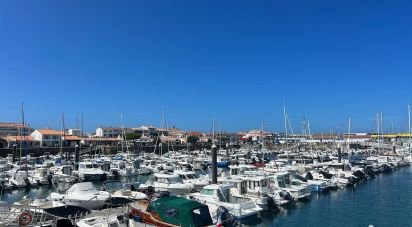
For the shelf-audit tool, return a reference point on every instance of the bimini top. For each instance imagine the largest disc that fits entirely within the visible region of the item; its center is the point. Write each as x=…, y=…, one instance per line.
x=181, y=211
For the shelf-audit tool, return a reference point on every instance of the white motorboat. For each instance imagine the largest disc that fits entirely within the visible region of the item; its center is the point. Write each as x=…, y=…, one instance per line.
x=63, y=174
x=190, y=177
x=83, y=195
x=129, y=190
x=171, y=183
x=216, y=195
x=91, y=172
x=255, y=188
x=21, y=179
x=281, y=180
x=42, y=176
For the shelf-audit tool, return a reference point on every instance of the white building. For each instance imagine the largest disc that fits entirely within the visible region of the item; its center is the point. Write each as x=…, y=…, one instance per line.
x=47, y=137
x=111, y=132
x=14, y=129
x=146, y=130
x=73, y=132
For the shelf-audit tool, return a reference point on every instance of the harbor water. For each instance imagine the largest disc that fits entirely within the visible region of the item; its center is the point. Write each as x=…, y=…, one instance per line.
x=381, y=201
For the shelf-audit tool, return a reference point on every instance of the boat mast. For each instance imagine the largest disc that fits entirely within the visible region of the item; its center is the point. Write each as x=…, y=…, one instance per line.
x=121, y=126
x=377, y=131
x=409, y=127
x=61, y=135
x=348, y=140
x=21, y=134
x=286, y=128
x=381, y=119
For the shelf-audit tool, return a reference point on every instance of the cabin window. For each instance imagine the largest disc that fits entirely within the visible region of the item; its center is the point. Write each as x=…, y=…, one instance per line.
x=287, y=180
x=264, y=183
x=207, y=192
x=222, y=197
x=171, y=213
x=175, y=180
x=281, y=183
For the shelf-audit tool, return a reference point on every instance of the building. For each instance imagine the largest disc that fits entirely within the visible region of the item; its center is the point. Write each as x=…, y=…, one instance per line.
x=73, y=132
x=48, y=137
x=24, y=141
x=145, y=130
x=14, y=129
x=100, y=141
x=111, y=132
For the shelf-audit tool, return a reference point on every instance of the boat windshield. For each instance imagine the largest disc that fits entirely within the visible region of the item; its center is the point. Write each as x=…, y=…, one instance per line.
x=207, y=192
x=191, y=176
x=90, y=166
x=174, y=180
x=223, y=195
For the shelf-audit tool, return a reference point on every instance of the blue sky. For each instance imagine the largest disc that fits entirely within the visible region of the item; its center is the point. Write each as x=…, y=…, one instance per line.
x=236, y=61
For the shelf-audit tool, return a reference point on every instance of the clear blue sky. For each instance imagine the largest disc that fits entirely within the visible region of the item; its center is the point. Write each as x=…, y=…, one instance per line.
x=236, y=61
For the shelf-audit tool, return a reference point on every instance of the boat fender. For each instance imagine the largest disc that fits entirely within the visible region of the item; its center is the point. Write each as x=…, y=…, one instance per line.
x=25, y=218
x=27, y=181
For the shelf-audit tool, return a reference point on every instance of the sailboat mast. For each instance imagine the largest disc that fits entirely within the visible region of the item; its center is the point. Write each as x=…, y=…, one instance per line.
x=286, y=128
x=123, y=134
x=62, y=134
x=22, y=133
x=409, y=126
x=377, y=131
x=348, y=137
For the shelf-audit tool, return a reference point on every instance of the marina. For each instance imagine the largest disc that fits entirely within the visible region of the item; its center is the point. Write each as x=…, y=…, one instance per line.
x=205, y=113
x=258, y=187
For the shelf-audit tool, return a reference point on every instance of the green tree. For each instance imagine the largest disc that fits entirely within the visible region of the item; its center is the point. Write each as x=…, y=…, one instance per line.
x=132, y=136
x=192, y=139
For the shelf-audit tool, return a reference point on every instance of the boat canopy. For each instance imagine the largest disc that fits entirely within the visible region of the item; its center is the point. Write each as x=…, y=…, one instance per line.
x=181, y=211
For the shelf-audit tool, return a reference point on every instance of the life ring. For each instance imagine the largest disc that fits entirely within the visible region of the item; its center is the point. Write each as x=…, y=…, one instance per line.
x=25, y=218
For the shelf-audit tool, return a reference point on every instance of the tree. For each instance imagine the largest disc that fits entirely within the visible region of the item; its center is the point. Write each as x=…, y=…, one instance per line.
x=192, y=139
x=132, y=136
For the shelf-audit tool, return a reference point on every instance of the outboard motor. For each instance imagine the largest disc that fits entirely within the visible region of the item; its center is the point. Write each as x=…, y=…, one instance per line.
x=104, y=177
x=132, y=188
x=224, y=218
x=359, y=174
x=286, y=195
x=27, y=181
x=326, y=175
x=271, y=203
x=50, y=179
x=116, y=173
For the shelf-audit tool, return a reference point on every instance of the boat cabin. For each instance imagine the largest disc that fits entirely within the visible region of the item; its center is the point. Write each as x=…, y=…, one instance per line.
x=254, y=186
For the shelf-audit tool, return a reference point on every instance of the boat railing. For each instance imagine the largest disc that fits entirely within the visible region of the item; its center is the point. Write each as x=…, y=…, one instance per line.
x=18, y=213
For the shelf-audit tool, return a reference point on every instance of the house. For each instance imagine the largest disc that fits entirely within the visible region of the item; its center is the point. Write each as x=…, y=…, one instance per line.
x=73, y=132
x=71, y=141
x=14, y=129
x=24, y=141
x=111, y=132
x=47, y=137
x=145, y=130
